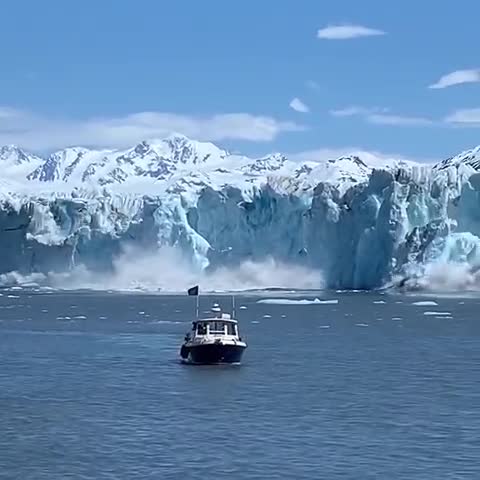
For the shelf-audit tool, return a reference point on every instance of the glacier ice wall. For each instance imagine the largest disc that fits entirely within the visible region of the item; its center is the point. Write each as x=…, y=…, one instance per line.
x=397, y=224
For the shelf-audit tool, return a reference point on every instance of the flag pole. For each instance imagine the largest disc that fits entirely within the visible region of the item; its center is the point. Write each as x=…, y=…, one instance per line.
x=197, y=309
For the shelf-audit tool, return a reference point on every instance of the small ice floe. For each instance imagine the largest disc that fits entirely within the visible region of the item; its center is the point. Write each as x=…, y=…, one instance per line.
x=13, y=296
x=254, y=321
x=461, y=303
x=437, y=314
x=44, y=310
x=64, y=318
x=243, y=307
x=176, y=311
x=361, y=324
x=287, y=301
x=399, y=302
x=141, y=313
x=15, y=288
x=102, y=318
x=397, y=318
x=80, y=317
x=267, y=316
x=425, y=303
x=379, y=302
x=324, y=326
x=283, y=316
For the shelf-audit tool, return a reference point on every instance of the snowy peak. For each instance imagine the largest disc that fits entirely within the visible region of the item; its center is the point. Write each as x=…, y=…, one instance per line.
x=268, y=164
x=59, y=166
x=13, y=155
x=179, y=164
x=468, y=157
x=156, y=159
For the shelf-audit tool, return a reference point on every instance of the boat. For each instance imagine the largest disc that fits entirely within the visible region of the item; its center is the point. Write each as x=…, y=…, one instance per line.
x=213, y=340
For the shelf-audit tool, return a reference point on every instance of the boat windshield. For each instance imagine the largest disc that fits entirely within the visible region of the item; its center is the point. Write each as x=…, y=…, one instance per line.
x=217, y=328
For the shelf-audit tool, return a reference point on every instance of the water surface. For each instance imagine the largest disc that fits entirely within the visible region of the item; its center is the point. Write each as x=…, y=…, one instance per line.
x=373, y=387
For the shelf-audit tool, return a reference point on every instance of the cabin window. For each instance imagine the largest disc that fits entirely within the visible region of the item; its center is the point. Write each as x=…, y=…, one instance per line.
x=201, y=329
x=217, y=328
x=231, y=329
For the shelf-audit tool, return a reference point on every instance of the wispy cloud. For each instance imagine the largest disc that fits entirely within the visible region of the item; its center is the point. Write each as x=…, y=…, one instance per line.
x=373, y=158
x=380, y=116
x=457, y=78
x=39, y=132
x=347, y=32
x=354, y=110
x=399, y=120
x=297, y=105
x=466, y=117
x=312, y=84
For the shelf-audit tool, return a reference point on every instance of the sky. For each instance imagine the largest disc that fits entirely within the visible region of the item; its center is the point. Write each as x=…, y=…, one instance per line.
x=311, y=78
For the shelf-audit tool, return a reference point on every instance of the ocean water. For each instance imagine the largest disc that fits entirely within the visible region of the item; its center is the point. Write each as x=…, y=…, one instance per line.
x=372, y=387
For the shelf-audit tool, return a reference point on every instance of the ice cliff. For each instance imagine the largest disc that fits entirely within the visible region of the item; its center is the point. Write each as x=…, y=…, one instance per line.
x=362, y=224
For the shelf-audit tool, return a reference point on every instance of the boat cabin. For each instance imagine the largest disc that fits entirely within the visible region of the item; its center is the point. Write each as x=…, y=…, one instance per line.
x=219, y=326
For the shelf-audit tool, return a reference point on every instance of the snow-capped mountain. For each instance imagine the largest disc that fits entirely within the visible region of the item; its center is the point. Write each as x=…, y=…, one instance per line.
x=358, y=219
x=176, y=163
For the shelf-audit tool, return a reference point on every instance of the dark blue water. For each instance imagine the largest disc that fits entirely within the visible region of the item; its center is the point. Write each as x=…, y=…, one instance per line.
x=90, y=388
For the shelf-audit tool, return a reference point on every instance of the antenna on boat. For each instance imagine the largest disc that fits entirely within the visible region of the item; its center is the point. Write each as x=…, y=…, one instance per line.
x=233, y=306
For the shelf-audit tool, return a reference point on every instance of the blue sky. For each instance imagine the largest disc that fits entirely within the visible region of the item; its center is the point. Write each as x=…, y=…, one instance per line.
x=109, y=72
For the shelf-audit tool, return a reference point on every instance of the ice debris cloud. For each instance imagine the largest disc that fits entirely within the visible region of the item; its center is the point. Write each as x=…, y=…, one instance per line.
x=164, y=213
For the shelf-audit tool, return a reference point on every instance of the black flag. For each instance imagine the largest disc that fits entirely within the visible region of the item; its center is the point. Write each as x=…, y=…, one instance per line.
x=193, y=290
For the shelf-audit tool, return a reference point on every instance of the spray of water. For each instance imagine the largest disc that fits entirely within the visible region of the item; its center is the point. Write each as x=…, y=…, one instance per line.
x=169, y=271
x=445, y=277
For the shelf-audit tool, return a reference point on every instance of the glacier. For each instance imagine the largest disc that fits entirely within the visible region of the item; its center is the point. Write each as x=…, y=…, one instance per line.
x=362, y=223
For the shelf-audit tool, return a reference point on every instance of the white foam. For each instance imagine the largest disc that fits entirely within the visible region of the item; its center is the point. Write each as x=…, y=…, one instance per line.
x=361, y=324
x=437, y=314
x=13, y=296
x=287, y=301
x=324, y=326
x=426, y=303
x=379, y=302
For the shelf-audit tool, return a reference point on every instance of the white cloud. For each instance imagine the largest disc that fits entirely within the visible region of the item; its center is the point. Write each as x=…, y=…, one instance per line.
x=353, y=111
x=346, y=32
x=465, y=117
x=38, y=132
x=457, y=78
x=398, y=120
x=379, y=116
x=371, y=157
x=312, y=84
x=297, y=105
